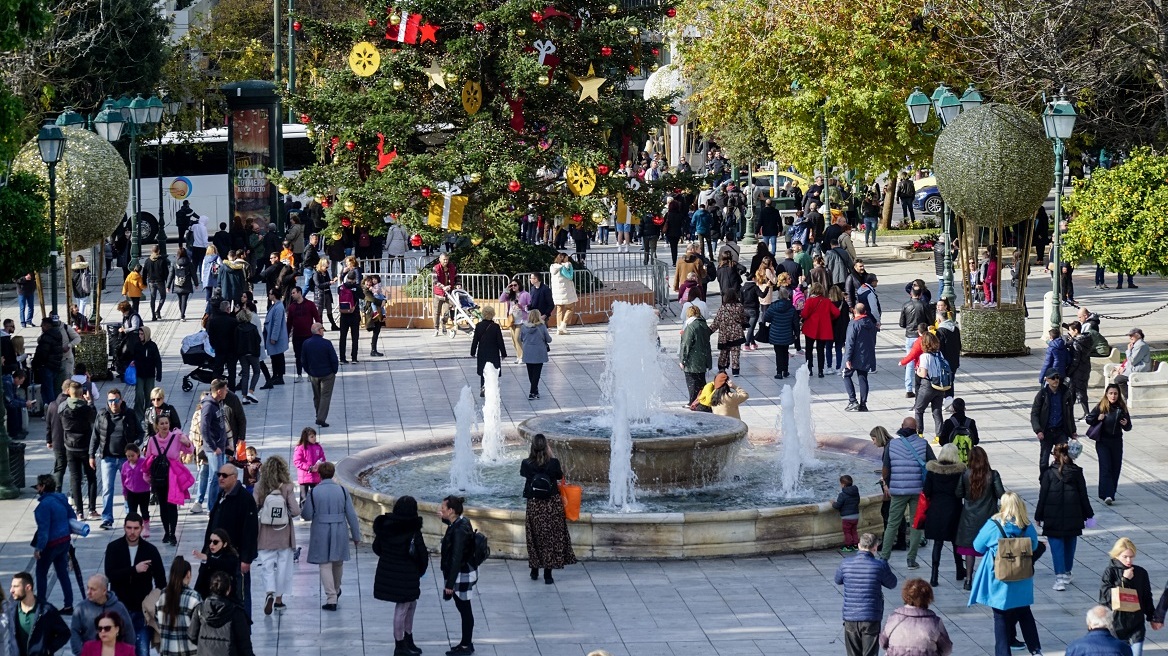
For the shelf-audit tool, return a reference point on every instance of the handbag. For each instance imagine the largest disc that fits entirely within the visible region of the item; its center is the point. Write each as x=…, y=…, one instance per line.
x=922, y=510
x=763, y=332
x=1095, y=431
x=1125, y=600
x=571, y=494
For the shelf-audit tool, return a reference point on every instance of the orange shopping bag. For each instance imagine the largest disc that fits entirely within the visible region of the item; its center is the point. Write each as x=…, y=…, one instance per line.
x=571, y=495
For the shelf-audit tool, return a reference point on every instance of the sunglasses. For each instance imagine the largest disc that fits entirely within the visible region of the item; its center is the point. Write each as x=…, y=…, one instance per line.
x=157, y=400
x=216, y=542
x=102, y=628
x=113, y=401
x=224, y=475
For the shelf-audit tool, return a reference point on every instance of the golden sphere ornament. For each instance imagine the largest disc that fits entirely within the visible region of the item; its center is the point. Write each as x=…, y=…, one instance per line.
x=283, y=189
x=475, y=177
x=395, y=19
x=654, y=66
x=612, y=9
x=594, y=119
x=398, y=85
x=310, y=132
x=521, y=32
x=543, y=80
x=633, y=31
x=666, y=107
x=350, y=206
x=597, y=216
x=451, y=77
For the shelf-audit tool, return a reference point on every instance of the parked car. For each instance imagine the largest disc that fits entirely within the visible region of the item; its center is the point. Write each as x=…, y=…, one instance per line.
x=928, y=197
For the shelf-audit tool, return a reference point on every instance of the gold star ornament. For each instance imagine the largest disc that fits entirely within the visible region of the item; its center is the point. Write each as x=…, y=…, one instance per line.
x=435, y=76
x=589, y=85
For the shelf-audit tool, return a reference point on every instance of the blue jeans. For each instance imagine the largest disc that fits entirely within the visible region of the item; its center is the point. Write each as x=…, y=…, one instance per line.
x=26, y=305
x=49, y=387
x=1137, y=648
x=772, y=242
x=110, y=468
x=56, y=557
x=908, y=368
x=214, y=462
x=141, y=633
x=1062, y=554
x=869, y=231
x=851, y=388
x=1099, y=272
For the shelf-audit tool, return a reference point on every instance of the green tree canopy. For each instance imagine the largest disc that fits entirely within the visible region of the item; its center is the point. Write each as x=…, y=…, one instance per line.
x=24, y=241
x=1118, y=216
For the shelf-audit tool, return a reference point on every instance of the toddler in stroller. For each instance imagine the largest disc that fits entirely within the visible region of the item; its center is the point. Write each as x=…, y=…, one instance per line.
x=197, y=352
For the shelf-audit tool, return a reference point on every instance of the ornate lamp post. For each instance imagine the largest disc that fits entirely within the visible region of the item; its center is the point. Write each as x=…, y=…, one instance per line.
x=167, y=108
x=140, y=114
x=51, y=142
x=1059, y=122
x=948, y=107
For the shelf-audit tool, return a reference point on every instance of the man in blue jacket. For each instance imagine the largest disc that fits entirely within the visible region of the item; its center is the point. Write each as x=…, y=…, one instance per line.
x=52, y=538
x=541, y=297
x=321, y=364
x=213, y=429
x=1099, y=641
x=904, y=475
x=862, y=576
x=35, y=628
x=859, y=356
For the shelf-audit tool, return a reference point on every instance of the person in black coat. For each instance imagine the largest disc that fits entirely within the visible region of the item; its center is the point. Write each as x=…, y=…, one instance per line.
x=1108, y=421
x=220, y=556
x=1063, y=508
x=402, y=560
x=541, y=296
x=1052, y=417
x=1122, y=572
x=487, y=344
x=132, y=579
x=676, y=223
x=941, y=478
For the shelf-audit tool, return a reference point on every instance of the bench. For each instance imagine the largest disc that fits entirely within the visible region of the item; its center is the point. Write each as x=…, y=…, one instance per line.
x=1147, y=389
x=1101, y=368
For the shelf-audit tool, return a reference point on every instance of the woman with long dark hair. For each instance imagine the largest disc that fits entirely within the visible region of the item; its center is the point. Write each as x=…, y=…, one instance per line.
x=942, y=476
x=221, y=556
x=182, y=280
x=548, y=544
x=1063, y=507
x=174, y=610
x=171, y=444
x=1108, y=421
x=402, y=561
x=979, y=490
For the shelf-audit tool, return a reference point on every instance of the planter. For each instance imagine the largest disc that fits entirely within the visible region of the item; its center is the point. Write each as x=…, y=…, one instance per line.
x=997, y=331
x=903, y=253
x=93, y=352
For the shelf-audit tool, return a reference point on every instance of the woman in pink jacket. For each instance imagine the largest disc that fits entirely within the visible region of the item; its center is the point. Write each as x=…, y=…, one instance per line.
x=306, y=458
x=171, y=444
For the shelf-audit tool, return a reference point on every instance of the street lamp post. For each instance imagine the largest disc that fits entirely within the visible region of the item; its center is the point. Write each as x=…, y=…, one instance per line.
x=947, y=106
x=51, y=142
x=170, y=108
x=139, y=114
x=1058, y=119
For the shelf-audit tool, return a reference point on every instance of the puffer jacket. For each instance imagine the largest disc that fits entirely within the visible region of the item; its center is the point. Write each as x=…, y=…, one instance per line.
x=1126, y=625
x=1058, y=357
x=783, y=320
x=402, y=558
x=862, y=576
x=1079, y=369
x=912, y=631
x=1063, y=504
x=847, y=502
x=220, y=627
x=52, y=516
x=905, y=475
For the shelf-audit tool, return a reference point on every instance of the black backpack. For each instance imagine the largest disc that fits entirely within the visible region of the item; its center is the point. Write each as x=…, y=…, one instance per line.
x=482, y=550
x=542, y=485
x=248, y=337
x=160, y=468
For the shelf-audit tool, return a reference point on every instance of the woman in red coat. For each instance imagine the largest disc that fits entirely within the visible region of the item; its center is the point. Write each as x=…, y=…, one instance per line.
x=818, y=313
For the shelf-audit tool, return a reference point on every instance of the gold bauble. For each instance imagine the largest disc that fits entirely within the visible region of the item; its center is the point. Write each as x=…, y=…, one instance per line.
x=318, y=198
x=395, y=19
x=475, y=177
x=451, y=77
x=633, y=31
x=350, y=206
x=283, y=189
x=521, y=32
x=594, y=119
x=398, y=85
x=597, y=216
x=612, y=9
x=653, y=67
x=666, y=107
x=543, y=80
x=310, y=132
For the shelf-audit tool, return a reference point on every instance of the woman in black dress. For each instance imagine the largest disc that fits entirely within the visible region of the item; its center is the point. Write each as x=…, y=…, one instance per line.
x=548, y=544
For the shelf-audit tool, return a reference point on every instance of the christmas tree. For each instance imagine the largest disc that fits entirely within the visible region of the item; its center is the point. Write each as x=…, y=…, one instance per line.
x=465, y=117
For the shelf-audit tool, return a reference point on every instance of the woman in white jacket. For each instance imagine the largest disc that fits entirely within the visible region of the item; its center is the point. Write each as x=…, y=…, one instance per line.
x=563, y=284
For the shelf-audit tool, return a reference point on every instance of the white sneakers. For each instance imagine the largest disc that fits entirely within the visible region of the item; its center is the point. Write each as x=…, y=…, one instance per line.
x=1061, y=581
x=197, y=508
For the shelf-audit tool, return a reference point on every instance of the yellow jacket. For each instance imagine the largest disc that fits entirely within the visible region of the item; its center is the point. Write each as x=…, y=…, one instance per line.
x=133, y=286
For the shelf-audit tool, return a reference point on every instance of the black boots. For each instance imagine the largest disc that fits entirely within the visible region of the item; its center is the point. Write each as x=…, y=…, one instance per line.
x=933, y=577
x=534, y=573
x=547, y=577
x=406, y=647
x=413, y=649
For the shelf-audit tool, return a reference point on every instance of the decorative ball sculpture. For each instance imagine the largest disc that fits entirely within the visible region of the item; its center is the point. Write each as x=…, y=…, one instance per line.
x=93, y=186
x=994, y=165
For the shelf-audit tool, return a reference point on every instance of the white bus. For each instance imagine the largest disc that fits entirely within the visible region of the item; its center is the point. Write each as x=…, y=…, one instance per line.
x=194, y=169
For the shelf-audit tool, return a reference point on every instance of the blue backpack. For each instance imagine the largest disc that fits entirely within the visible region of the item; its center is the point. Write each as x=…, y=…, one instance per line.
x=944, y=378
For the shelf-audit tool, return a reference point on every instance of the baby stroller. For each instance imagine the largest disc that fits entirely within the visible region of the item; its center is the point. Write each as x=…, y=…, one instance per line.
x=197, y=352
x=466, y=313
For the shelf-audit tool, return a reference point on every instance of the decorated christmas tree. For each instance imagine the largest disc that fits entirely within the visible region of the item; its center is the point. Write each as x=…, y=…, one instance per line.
x=468, y=117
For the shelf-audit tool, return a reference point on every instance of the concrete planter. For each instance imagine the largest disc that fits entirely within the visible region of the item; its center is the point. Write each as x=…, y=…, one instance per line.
x=909, y=254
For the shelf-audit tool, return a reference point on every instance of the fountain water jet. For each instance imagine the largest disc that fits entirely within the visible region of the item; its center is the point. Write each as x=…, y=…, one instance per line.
x=803, y=419
x=464, y=474
x=790, y=455
x=492, y=417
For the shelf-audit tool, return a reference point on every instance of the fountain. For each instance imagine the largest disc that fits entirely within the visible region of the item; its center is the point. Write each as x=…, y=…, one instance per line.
x=492, y=422
x=464, y=475
x=803, y=424
x=790, y=453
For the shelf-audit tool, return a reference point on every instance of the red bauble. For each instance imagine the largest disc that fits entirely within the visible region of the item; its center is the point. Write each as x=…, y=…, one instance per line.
x=537, y=16
x=326, y=203
x=671, y=12
x=514, y=186
x=346, y=222
x=304, y=118
x=296, y=26
x=372, y=22
x=606, y=51
x=350, y=145
x=480, y=27
x=633, y=69
x=673, y=119
x=602, y=169
x=655, y=52
x=425, y=192
x=578, y=218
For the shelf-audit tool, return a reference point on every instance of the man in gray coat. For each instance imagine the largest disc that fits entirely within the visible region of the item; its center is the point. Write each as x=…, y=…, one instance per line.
x=328, y=506
x=98, y=599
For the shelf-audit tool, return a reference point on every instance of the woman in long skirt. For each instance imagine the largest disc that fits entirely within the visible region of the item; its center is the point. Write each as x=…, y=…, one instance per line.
x=548, y=544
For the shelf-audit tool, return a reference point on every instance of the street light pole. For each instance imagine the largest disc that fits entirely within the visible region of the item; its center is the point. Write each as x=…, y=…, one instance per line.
x=1058, y=120
x=51, y=142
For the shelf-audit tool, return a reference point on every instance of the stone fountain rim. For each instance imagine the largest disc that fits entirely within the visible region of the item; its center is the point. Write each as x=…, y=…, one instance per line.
x=731, y=429
x=352, y=470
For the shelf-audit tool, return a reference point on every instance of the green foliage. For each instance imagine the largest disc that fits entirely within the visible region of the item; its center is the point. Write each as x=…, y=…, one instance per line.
x=24, y=241
x=437, y=141
x=1118, y=216
x=24, y=19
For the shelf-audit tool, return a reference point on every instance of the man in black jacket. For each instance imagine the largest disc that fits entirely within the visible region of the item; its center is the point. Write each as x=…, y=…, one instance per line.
x=134, y=568
x=55, y=436
x=156, y=270
x=77, y=416
x=279, y=276
x=48, y=358
x=117, y=426
x=235, y=512
x=1052, y=417
x=541, y=297
x=35, y=628
x=221, y=334
x=914, y=313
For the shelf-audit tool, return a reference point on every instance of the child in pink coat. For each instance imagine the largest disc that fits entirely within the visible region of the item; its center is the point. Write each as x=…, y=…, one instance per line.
x=136, y=486
x=306, y=458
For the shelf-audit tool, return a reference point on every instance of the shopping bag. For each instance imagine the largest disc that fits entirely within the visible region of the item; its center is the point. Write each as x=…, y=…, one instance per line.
x=922, y=510
x=571, y=494
x=1126, y=600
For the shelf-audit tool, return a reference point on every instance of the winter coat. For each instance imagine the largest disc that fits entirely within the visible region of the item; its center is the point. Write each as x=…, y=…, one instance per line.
x=1098, y=642
x=730, y=279
x=695, y=346
x=226, y=562
x=976, y=512
x=905, y=474
x=987, y=589
x=912, y=631
x=456, y=550
x=235, y=512
x=319, y=357
x=1079, y=369
x=276, y=330
x=563, y=284
x=1058, y=357
x=295, y=237
x=691, y=263
x=950, y=426
x=274, y=538
x=862, y=576
x=535, y=338
x=860, y=344
x=944, y=512
x=156, y=269
x=541, y=299
x=402, y=558
x=210, y=271
x=182, y=276
x=113, y=431
x=131, y=585
x=85, y=614
x=728, y=323
x=148, y=361
x=950, y=336
x=1127, y=625
x=232, y=279
x=49, y=351
x=180, y=478
x=727, y=406
x=329, y=508
x=49, y=631
x=1063, y=504
x=303, y=458
x=1040, y=410
x=839, y=324
x=396, y=241
x=871, y=300
x=52, y=515
x=488, y=345
x=838, y=263
x=914, y=313
x=77, y=419
x=82, y=280
x=220, y=627
x=133, y=285
x=847, y=502
x=1112, y=429
x=818, y=315
x=784, y=321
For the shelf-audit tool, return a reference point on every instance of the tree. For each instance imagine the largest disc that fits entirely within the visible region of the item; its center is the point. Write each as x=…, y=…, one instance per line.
x=455, y=97
x=1118, y=216
x=28, y=19
x=24, y=241
x=800, y=66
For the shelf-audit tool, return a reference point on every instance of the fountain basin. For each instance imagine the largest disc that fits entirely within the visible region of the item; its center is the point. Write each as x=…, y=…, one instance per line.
x=676, y=449
x=630, y=536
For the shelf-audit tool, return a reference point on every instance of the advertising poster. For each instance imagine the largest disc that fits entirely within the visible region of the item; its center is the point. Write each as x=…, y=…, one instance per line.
x=252, y=152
